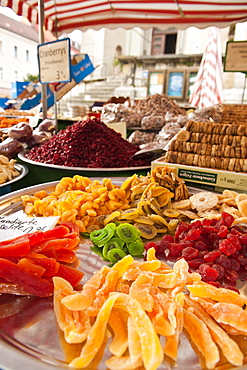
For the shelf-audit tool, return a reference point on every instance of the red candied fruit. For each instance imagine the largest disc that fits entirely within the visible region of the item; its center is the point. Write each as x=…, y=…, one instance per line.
x=150, y=245
x=212, y=247
x=207, y=272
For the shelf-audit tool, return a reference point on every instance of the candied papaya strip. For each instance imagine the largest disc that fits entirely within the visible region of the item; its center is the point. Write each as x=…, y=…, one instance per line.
x=66, y=255
x=82, y=300
x=74, y=324
x=30, y=266
x=72, y=275
x=64, y=243
x=35, y=237
x=226, y=313
x=27, y=281
x=228, y=346
x=118, y=323
x=57, y=232
x=16, y=247
x=50, y=265
x=201, y=338
x=204, y=290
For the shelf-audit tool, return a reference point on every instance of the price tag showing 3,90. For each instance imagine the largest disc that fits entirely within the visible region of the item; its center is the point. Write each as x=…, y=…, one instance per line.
x=54, y=61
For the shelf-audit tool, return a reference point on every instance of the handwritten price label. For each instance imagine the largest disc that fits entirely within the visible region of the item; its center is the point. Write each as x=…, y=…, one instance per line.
x=16, y=225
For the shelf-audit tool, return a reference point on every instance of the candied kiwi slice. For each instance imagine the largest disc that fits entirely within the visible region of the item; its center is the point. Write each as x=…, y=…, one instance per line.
x=112, y=243
x=147, y=231
x=115, y=254
x=101, y=238
x=136, y=248
x=127, y=232
x=97, y=250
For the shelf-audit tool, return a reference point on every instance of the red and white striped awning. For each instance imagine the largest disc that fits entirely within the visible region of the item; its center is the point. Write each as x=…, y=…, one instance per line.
x=66, y=16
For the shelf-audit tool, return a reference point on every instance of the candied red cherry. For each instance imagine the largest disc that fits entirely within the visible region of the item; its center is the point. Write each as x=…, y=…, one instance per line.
x=206, y=221
x=235, y=265
x=214, y=283
x=201, y=246
x=226, y=219
x=211, y=255
x=207, y=273
x=182, y=227
x=150, y=245
x=168, y=238
x=223, y=231
x=243, y=238
x=220, y=270
x=195, y=224
x=189, y=253
x=242, y=260
x=193, y=234
x=175, y=249
x=196, y=262
x=231, y=275
x=228, y=286
x=224, y=261
x=227, y=247
x=234, y=239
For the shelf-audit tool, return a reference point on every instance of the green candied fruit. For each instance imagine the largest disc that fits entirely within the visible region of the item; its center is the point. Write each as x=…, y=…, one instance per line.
x=100, y=237
x=112, y=243
x=136, y=248
x=115, y=254
x=127, y=232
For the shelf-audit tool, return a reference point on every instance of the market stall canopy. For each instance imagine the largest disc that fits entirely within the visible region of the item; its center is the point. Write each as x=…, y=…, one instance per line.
x=65, y=16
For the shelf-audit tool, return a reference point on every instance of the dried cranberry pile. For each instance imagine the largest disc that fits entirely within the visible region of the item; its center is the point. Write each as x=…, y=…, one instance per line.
x=89, y=144
x=213, y=248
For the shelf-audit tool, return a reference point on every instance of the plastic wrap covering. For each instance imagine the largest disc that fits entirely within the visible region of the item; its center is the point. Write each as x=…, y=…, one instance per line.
x=213, y=114
x=139, y=137
x=115, y=112
x=152, y=122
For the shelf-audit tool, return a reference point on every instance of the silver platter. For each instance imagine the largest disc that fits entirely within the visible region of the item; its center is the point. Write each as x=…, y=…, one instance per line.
x=22, y=169
x=29, y=336
x=22, y=156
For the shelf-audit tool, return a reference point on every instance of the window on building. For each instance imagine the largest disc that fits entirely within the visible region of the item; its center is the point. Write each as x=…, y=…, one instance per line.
x=27, y=55
x=15, y=51
x=164, y=42
x=1, y=73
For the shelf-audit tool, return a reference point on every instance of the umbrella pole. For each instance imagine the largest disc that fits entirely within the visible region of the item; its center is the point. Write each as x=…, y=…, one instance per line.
x=244, y=88
x=41, y=41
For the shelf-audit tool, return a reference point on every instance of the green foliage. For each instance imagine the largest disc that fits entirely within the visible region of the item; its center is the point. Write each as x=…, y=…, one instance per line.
x=31, y=78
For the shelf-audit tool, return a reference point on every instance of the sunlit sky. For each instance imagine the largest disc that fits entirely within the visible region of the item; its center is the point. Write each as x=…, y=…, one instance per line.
x=75, y=35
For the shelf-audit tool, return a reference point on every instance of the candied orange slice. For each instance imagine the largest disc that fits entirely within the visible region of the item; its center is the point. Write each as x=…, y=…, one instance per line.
x=74, y=324
x=228, y=346
x=82, y=300
x=201, y=338
x=205, y=290
x=167, y=280
x=226, y=313
x=118, y=323
x=140, y=290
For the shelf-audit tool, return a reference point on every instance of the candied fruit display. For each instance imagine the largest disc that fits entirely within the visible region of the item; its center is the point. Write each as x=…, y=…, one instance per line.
x=212, y=247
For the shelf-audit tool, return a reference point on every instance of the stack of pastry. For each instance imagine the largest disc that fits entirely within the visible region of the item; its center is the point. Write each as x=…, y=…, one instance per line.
x=211, y=145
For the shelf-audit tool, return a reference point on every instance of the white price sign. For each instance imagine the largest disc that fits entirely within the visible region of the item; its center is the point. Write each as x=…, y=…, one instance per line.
x=54, y=61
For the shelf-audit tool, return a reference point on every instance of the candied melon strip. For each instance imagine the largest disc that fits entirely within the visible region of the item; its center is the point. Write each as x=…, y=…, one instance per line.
x=226, y=313
x=228, y=346
x=172, y=342
x=204, y=290
x=202, y=339
x=118, y=324
x=152, y=352
x=95, y=336
x=82, y=300
x=122, y=265
x=140, y=290
x=74, y=324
